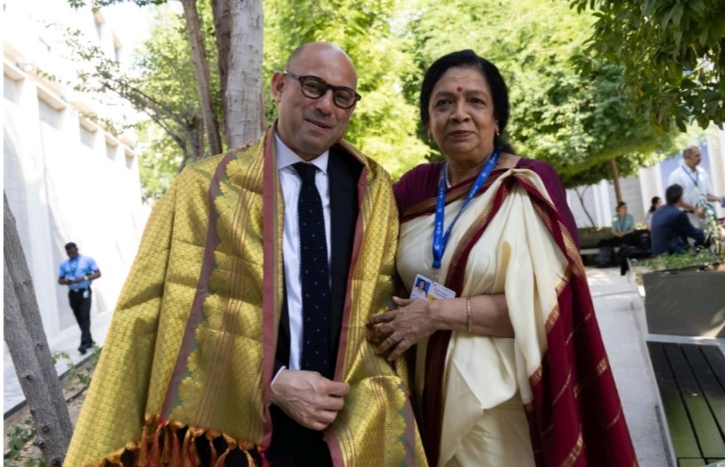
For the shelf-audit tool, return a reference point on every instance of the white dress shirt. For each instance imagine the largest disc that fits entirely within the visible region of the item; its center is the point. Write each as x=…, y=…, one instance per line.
x=291, y=183
x=695, y=183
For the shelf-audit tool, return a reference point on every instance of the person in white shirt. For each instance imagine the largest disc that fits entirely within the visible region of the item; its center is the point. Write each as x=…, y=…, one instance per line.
x=696, y=186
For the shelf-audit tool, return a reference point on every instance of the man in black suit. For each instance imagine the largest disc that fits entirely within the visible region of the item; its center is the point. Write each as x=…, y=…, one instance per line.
x=313, y=116
x=242, y=325
x=671, y=226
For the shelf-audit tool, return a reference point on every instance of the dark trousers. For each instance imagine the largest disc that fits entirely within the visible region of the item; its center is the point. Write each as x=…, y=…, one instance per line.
x=82, y=310
x=292, y=446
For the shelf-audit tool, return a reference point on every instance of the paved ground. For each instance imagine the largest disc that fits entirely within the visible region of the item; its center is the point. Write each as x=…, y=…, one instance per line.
x=620, y=313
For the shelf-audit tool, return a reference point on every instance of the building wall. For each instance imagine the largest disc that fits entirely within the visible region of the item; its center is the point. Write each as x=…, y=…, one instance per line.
x=65, y=177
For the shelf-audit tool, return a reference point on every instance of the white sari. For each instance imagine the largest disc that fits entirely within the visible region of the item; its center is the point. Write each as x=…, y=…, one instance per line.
x=487, y=380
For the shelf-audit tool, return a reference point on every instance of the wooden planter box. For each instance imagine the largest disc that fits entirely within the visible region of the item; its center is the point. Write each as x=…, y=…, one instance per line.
x=685, y=302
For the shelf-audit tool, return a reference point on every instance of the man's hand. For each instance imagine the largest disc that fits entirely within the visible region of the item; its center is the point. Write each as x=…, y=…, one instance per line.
x=308, y=398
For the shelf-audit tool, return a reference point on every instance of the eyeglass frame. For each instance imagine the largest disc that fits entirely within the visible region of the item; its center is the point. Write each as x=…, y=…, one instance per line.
x=327, y=86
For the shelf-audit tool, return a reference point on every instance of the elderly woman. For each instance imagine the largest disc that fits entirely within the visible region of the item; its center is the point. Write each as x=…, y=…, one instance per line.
x=511, y=369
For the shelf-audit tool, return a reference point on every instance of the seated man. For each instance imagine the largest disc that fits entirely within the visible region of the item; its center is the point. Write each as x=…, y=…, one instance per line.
x=671, y=226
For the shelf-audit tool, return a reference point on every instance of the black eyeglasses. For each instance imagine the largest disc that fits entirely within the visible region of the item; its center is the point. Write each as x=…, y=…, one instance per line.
x=314, y=88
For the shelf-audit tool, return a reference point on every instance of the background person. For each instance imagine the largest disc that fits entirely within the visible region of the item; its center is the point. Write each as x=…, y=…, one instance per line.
x=671, y=226
x=632, y=243
x=696, y=187
x=622, y=222
x=77, y=272
x=240, y=333
x=511, y=258
x=655, y=205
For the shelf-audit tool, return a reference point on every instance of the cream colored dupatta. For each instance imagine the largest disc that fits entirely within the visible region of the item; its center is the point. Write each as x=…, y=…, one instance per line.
x=484, y=376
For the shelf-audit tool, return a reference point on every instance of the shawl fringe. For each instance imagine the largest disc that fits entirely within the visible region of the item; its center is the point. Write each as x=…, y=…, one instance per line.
x=175, y=443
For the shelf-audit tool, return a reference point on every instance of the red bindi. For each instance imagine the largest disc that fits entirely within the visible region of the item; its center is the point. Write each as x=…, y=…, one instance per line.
x=459, y=89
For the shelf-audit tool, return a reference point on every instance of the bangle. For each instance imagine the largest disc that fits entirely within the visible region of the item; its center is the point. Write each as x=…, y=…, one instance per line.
x=469, y=317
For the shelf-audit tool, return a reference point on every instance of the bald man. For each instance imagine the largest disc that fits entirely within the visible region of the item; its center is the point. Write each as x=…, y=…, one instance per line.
x=240, y=335
x=696, y=186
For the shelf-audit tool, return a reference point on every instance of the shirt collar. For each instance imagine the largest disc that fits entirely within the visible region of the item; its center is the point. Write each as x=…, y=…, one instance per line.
x=287, y=157
x=688, y=169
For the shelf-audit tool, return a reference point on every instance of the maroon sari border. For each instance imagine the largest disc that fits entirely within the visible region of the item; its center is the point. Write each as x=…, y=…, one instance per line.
x=605, y=425
x=454, y=193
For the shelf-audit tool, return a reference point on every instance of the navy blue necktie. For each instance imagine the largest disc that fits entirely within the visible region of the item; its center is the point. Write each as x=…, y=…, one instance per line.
x=314, y=275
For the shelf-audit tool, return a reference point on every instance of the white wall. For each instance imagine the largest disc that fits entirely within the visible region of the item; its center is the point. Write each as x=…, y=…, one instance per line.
x=66, y=179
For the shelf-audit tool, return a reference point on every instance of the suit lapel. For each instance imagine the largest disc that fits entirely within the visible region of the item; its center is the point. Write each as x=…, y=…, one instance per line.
x=343, y=174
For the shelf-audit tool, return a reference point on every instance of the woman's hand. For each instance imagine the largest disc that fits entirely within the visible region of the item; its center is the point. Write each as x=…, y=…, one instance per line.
x=403, y=327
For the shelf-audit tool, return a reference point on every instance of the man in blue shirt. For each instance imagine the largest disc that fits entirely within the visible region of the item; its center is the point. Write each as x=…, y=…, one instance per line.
x=77, y=272
x=671, y=227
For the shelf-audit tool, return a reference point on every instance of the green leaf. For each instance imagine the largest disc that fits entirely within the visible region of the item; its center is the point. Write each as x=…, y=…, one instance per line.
x=697, y=6
x=677, y=12
x=711, y=95
x=702, y=36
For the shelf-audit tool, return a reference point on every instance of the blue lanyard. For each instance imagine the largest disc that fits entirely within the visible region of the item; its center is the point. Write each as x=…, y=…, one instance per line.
x=440, y=240
x=697, y=175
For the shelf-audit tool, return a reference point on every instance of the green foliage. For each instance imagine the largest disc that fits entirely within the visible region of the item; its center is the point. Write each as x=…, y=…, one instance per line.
x=165, y=71
x=102, y=3
x=58, y=356
x=161, y=84
x=384, y=124
x=83, y=377
x=18, y=436
x=574, y=121
x=673, y=54
x=567, y=109
x=699, y=259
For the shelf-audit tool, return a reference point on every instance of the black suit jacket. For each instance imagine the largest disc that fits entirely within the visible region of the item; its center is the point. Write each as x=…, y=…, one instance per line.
x=343, y=173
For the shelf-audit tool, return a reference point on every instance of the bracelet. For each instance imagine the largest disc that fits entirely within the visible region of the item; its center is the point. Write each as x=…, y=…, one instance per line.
x=85, y=278
x=469, y=317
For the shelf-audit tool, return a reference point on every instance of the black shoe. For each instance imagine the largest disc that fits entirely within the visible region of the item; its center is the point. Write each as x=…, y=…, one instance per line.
x=82, y=350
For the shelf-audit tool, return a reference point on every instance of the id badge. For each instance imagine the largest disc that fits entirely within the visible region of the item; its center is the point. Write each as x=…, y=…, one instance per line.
x=86, y=294
x=428, y=289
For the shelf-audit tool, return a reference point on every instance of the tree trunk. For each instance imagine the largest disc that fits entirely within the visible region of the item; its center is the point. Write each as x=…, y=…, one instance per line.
x=584, y=207
x=29, y=350
x=201, y=67
x=244, y=100
x=615, y=178
x=222, y=34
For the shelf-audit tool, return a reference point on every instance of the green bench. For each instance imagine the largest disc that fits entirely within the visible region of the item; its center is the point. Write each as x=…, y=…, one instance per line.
x=691, y=382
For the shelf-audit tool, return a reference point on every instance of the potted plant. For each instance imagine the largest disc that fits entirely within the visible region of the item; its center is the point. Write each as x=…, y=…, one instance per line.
x=685, y=293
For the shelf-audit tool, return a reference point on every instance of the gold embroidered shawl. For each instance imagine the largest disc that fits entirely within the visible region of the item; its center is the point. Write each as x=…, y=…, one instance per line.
x=192, y=342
